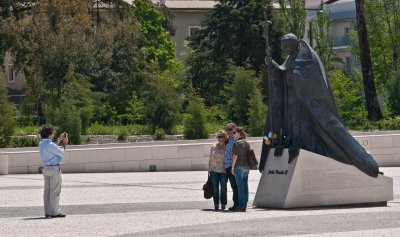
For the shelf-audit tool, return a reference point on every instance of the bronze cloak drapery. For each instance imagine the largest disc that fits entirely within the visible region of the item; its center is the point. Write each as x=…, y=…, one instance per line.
x=302, y=106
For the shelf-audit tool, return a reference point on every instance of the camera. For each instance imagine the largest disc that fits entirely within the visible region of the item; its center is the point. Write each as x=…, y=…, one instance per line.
x=61, y=142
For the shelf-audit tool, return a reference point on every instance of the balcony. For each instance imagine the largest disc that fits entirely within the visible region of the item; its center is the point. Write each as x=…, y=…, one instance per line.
x=341, y=42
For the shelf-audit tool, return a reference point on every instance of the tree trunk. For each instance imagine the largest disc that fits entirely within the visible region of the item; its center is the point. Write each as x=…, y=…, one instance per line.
x=374, y=111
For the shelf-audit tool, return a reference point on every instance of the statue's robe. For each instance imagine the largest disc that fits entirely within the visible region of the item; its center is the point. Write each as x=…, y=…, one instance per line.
x=301, y=105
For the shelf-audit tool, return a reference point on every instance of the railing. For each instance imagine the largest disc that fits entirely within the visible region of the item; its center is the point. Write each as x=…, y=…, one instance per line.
x=341, y=41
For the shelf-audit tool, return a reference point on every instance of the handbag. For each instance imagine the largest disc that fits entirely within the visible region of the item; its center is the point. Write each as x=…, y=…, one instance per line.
x=251, y=159
x=208, y=188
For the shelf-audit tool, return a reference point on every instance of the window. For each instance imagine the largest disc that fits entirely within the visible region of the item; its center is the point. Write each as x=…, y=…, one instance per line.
x=346, y=32
x=193, y=29
x=11, y=73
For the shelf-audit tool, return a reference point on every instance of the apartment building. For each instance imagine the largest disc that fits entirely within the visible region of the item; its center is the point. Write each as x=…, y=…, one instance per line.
x=187, y=19
x=343, y=13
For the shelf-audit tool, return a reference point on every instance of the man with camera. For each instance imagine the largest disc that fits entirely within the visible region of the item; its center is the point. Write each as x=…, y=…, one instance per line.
x=52, y=156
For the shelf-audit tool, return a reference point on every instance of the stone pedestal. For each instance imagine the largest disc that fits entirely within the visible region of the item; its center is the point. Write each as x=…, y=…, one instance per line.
x=3, y=164
x=312, y=180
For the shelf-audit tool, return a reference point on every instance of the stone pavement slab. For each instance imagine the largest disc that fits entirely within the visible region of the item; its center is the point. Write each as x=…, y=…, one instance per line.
x=172, y=204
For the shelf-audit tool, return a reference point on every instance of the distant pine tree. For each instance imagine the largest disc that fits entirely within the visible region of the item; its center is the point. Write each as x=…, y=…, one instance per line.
x=257, y=114
x=194, y=123
x=68, y=120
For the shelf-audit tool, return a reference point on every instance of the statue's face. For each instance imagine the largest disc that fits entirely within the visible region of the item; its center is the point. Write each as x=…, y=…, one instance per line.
x=289, y=46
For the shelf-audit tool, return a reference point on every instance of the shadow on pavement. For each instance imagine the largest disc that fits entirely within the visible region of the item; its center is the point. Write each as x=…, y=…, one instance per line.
x=346, y=206
x=222, y=211
x=35, y=218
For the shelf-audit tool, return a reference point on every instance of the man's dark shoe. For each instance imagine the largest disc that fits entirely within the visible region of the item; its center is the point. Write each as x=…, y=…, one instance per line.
x=223, y=207
x=233, y=208
x=240, y=209
x=59, y=216
x=48, y=216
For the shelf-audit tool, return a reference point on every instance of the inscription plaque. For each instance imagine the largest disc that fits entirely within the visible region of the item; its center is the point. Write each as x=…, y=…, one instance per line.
x=312, y=180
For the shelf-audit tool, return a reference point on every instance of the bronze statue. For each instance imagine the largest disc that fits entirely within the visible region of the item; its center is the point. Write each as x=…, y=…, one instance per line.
x=302, y=113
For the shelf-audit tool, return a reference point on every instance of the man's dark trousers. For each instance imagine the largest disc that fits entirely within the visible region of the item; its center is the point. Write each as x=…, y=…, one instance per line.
x=232, y=181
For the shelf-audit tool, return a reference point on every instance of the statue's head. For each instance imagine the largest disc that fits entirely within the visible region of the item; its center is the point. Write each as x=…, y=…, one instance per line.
x=289, y=43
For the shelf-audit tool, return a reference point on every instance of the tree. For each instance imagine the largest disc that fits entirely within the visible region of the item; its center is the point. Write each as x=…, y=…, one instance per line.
x=162, y=100
x=371, y=98
x=194, y=122
x=239, y=92
x=155, y=38
x=383, y=18
x=68, y=119
x=212, y=54
x=256, y=113
x=7, y=117
x=294, y=16
x=61, y=34
x=43, y=45
x=324, y=39
x=77, y=91
x=135, y=110
x=348, y=94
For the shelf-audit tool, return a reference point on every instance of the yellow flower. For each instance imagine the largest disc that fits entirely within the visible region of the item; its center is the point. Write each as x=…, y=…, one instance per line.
x=268, y=142
x=275, y=136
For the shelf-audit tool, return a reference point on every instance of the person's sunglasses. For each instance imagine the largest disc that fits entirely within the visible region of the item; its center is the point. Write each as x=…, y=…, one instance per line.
x=234, y=132
x=229, y=129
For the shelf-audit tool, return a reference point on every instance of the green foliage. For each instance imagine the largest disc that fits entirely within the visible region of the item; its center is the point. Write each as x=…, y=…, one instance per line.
x=257, y=114
x=27, y=130
x=106, y=73
x=194, y=123
x=242, y=87
x=155, y=39
x=119, y=67
x=7, y=117
x=129, y=130
x=23, y=121
x=389, y=124
x=159, y=134
x=68, y=119
x=135, y=110
x=294, y=15
x=393, y=93
x=24, y=141
x=77, y=91
x=383, y=18
x=347, y=92
x=214, y=115
x=162, y=101
x=212, y=54
x=324, y=40
x=108, y=56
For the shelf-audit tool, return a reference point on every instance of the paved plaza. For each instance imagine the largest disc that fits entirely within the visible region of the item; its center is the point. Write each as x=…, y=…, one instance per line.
x=172, y=204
